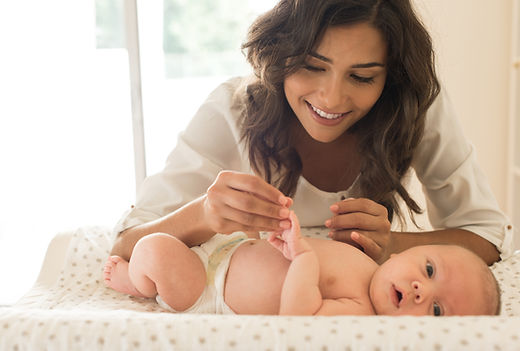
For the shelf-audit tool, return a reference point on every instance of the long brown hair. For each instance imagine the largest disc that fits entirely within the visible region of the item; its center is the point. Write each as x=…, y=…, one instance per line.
x=277, y=45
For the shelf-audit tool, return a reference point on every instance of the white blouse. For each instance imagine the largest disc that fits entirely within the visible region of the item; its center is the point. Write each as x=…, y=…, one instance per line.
x=456, y=190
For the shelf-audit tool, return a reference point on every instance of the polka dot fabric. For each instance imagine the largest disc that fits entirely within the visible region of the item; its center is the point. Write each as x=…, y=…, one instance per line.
x=77, y=312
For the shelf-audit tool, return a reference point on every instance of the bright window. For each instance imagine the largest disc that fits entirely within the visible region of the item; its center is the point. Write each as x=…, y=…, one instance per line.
x=65, y=127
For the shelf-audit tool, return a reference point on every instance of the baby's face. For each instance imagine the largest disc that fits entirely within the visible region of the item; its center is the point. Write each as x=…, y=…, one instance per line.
x=429, y=280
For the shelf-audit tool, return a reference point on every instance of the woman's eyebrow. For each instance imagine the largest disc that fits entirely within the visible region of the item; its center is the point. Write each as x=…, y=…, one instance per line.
x=320, y=57
x=357, y=65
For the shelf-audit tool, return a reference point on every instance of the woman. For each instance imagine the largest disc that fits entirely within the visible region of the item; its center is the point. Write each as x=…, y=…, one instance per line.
x=344, y=101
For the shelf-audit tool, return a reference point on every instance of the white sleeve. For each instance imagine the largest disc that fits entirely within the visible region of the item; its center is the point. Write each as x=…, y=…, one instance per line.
x=209, y=144
x=457, y=192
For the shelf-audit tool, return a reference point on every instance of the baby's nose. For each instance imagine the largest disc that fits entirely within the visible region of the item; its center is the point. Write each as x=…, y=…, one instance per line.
x=419, y=291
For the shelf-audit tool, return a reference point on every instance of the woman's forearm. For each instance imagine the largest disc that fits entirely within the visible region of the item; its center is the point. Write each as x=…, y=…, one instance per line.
x=186, y=223
x=486, y=250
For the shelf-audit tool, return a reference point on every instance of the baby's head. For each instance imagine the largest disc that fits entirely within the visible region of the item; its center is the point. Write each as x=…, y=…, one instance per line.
x=438, y=280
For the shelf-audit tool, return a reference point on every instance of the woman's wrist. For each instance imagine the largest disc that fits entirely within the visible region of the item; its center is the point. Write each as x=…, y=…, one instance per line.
x=189, y=224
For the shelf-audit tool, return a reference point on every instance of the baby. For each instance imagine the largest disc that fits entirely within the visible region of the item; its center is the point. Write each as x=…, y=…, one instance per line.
x=288, y=274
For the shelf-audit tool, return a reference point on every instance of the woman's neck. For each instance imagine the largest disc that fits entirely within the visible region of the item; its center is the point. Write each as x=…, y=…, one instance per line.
x=330, y=166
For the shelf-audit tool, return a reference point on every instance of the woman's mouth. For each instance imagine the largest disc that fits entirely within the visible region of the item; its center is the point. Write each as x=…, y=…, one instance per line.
x=326, y=118
x=326, y=115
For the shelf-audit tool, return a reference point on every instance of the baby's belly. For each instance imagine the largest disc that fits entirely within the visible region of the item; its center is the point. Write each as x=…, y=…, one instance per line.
x=255, y=277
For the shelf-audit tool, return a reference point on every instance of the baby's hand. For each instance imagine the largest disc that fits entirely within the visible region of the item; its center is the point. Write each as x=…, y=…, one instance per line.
x=290, y=241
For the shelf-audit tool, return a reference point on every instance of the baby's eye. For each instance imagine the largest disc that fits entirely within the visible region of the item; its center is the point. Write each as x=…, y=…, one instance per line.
x=429, y=269
x=436, y=310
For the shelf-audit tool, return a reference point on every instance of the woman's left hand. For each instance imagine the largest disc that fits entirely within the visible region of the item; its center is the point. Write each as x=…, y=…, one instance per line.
x=362, y=223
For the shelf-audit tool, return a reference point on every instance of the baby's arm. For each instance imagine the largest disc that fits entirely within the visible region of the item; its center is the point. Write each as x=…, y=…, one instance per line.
x=300, y=292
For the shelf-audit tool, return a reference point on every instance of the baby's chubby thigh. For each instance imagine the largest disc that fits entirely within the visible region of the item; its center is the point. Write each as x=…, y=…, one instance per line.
x=176, y=272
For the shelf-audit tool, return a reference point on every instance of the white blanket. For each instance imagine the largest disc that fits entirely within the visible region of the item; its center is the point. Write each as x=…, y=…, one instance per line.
x=69, y=308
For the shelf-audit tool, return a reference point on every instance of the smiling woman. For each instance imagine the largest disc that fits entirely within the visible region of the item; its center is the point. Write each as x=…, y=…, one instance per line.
x=337, y=146
x=340, y=82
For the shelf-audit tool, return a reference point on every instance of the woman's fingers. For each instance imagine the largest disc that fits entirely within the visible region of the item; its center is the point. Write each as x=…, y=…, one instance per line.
x=359, y=205
x=251, y=203
x=370, y=247
x=363, y=214
x=362, y=223
x=344, y=236
x=358, y=220
x=236, y=201
x=253, y=220
x=362, y=241
x=253, y=185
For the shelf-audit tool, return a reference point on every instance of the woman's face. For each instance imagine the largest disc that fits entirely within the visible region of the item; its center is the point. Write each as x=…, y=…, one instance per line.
x=340, y=82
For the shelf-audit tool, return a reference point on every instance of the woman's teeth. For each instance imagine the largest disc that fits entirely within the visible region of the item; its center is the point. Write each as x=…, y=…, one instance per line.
x=325, y=114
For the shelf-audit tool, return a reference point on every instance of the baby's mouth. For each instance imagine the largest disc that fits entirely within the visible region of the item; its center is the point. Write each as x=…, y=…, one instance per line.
x=398, y=296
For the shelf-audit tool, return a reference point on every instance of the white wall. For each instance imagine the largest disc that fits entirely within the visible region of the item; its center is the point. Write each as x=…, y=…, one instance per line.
x=472, y=40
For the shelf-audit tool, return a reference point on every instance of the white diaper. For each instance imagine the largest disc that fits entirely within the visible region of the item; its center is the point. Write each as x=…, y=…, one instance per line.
x=215, y=254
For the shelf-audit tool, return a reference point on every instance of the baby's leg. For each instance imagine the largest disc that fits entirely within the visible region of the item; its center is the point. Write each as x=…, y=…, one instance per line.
x=162, y=264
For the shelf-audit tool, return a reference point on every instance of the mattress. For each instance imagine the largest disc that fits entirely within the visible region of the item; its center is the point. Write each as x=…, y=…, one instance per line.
x=69, y=308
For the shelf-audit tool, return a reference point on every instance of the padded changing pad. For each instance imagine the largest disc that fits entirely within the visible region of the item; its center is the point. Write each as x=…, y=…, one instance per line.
x=69, y=308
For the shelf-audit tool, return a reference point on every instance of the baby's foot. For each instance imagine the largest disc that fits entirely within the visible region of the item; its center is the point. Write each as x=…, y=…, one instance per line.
x=116, y=276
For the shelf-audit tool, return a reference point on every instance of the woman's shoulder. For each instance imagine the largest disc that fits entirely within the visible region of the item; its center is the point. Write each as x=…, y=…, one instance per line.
x=214, y=130
x=231, y=89
x=226, y=101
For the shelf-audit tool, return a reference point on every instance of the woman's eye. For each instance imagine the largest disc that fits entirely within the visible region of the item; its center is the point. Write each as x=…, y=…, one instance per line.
x=360, y=79
x=429, y=269
x=436, y=310
x=313, y=68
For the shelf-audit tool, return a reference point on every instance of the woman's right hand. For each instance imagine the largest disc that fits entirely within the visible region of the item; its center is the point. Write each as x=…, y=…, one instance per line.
x=244, y=202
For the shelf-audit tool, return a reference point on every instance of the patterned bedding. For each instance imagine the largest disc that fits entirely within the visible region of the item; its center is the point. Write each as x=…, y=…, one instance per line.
x=69, y=308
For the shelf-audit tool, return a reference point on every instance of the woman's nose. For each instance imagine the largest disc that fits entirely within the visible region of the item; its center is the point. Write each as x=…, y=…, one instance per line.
x=334, y=95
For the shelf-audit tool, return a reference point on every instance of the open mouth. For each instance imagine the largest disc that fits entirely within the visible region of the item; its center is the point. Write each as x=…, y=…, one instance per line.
x=397, y=296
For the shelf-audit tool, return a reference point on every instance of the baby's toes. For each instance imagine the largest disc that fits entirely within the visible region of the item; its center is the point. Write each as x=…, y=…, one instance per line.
x=109, y=268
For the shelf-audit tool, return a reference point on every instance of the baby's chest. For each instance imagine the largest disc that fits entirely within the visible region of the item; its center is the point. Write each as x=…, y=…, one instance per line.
x=338, y=283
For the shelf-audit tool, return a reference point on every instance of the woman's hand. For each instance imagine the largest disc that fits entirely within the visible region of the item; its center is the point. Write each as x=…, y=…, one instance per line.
x=243, y=202
x=362, y=223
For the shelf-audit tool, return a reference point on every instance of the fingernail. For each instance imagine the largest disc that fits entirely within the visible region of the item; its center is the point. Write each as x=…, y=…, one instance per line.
x=334, y=208
x=354, y=235
x=329, y=235
x=284, y=212
x=282, y=200
x=285, y=224
x=328, y=223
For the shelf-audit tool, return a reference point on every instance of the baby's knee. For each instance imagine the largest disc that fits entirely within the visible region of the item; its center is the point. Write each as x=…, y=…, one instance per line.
x=157, y=246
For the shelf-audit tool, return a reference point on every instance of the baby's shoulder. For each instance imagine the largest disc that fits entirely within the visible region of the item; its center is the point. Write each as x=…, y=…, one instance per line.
x=345, y=271
x=341, y=253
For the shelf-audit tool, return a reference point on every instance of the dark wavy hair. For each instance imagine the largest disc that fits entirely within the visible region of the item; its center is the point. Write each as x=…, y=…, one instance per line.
x=277, y=45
